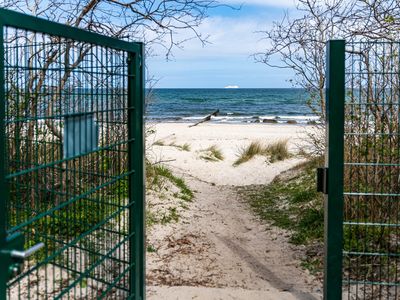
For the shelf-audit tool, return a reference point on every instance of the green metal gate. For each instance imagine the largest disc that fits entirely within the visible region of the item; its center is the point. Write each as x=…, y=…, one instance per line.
x=363, y=187
x=71, y=167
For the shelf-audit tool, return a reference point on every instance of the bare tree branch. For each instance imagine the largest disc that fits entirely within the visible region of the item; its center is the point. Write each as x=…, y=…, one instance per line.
x=299, y=44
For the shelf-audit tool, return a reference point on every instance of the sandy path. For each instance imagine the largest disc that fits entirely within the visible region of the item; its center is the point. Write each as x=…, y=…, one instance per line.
x=242, y=257
x=219, y=249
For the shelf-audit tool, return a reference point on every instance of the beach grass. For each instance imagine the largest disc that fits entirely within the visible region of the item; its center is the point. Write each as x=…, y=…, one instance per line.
x=160, y=179
x=212, y=153
x=247, y=153
x=275, y=152
x=160, y=172
x=183, y=147
x=278, y=151
x=159, y=143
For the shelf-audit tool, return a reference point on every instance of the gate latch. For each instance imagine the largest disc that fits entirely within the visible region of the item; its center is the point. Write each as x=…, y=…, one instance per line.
x=14, y=253
x=322, y=180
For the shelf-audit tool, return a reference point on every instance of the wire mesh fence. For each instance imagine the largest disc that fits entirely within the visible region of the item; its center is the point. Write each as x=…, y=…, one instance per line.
x=371, y=256
x=67, y=105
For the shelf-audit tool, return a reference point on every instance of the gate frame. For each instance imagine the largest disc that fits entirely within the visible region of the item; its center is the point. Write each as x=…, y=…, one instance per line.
x=334, y=156
x=136, y=93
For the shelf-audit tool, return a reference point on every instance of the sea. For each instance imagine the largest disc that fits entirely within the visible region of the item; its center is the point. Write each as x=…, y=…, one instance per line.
x=235, y=105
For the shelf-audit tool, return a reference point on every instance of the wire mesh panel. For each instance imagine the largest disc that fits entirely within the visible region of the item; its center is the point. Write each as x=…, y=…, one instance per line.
x=69, y=169
x=371, y=227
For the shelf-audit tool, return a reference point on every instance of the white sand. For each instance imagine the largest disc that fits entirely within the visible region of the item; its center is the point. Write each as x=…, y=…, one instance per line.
x=229, y=138
x=219, y=249
x=201, y=293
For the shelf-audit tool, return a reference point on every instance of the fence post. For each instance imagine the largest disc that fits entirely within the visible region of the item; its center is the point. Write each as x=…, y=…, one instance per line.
x=335, y=97
x=137, y=179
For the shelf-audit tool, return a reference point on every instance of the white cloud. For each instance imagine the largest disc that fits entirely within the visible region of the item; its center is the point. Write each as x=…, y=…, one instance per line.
x=227, y=59
x=273, y=3
x=227, y=37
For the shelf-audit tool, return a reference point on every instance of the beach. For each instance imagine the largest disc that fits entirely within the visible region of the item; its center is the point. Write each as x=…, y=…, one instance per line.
x=217, y=248
x=229, y=139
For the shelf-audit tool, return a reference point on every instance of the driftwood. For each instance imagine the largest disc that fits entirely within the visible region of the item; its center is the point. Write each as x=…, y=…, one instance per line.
x=207, y=118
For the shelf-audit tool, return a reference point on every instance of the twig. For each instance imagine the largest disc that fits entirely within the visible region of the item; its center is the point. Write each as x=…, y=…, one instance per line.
x=163, y=161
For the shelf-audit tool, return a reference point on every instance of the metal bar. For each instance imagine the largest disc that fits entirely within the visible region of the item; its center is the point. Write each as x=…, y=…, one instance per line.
x=378, y=283
x=371, y=224
x=353, y=253
x=77, y=273
x=131, y=166
x=335, y=94
x=22, y=21
x=26, y=253
x=371, y=194
x=92, y=267
x=64, y=115
x=136, y=181
x=114, y=284
x=368, y=164
x=76, y=240
x=50, y=211
x=56, y=162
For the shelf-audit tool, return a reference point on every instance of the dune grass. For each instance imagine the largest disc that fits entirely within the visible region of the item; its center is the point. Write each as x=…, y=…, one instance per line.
x=212, y=153
x=184, y=147
x=156, y=173
x=159, y=143
x=247, y=153
x=159, y=179
x=276, y=151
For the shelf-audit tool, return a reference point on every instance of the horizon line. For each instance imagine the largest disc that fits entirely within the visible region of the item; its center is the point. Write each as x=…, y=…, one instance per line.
x=223, y=88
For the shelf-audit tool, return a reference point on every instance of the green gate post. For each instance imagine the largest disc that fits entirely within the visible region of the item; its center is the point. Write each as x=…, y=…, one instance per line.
x=137, y=179
x=335, y=94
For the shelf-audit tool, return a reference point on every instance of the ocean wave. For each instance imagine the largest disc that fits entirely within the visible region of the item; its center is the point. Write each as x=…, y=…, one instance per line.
x=280, y=119
x=292, y=117
x=238, y=105
x=194, y=99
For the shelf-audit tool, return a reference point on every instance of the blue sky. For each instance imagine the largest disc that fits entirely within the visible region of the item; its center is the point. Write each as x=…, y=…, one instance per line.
x=227, y=59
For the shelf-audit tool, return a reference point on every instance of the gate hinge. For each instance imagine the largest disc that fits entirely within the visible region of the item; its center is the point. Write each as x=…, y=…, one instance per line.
x=322, y=180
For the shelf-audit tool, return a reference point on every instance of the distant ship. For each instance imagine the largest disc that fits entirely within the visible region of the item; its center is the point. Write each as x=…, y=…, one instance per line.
x=232, y=87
